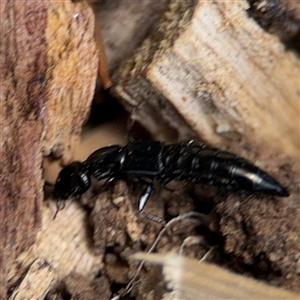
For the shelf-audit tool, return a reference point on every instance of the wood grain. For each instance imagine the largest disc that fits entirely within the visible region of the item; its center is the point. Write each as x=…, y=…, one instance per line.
x=215, y=71
x=47, y=49
x=189, y=279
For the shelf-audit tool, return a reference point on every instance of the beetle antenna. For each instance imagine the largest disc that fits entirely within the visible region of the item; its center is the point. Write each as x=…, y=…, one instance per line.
x=59, y=207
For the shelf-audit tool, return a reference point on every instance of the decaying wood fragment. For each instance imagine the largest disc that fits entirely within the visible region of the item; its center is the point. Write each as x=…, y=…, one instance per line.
x=62, y=242
x=209, y=64
x=36, y=282
x=47, y=49
x=72, y=71
x=212, y=282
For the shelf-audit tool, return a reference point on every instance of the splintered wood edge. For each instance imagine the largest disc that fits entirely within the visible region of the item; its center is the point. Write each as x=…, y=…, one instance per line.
x=36, y=282
x=62, y=243
x=190, y=279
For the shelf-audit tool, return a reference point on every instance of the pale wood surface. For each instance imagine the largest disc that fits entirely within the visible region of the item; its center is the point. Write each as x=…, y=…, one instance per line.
x=190, y=279
x=218, y=71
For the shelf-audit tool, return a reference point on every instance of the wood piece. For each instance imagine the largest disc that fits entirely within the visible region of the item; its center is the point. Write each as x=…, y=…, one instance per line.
x=189, y=279
x=62, y=243
x=35, y=283
x=73, y=65
x=209, y=68
x=70, y=250
x=47, y=49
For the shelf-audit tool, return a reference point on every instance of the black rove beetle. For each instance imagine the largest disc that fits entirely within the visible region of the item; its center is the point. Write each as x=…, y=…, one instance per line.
x=148, y=161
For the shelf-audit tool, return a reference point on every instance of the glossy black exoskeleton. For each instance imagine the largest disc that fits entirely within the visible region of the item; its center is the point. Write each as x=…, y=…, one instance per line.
x=148, y=161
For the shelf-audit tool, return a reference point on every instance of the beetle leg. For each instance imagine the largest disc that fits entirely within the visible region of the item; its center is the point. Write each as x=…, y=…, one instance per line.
x=143, y=200
x=145, y=196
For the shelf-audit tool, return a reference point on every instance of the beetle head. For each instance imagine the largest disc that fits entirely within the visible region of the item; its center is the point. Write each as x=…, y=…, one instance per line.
x=72, y=181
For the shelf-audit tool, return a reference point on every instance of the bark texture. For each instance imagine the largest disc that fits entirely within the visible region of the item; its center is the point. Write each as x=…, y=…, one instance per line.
x=47, y=48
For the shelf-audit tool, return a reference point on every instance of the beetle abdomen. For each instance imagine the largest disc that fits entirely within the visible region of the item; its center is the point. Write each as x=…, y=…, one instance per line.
x=211, y=166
